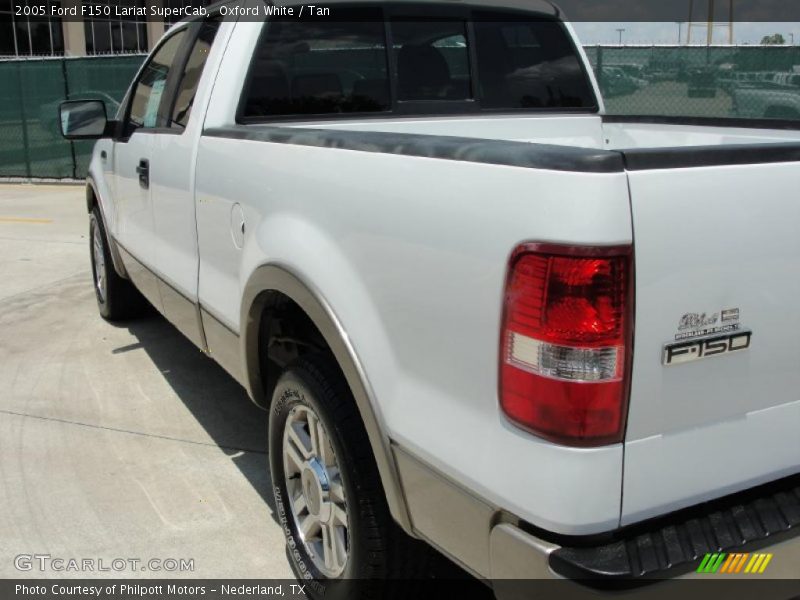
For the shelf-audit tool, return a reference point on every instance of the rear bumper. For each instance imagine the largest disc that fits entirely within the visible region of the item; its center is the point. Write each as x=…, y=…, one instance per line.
x=675, y=545
x=495, y=545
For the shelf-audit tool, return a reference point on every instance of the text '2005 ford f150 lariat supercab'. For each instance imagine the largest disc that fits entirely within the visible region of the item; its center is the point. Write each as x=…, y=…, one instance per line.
x=480, y=312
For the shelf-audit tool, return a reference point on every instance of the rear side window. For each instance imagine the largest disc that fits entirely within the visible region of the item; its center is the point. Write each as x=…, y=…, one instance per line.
x=528, y=64
x=308, y=67
x=448, y=61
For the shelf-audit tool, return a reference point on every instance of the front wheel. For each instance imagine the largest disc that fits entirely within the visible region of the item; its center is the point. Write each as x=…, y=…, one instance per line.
x=328, y=495
x=116, y=297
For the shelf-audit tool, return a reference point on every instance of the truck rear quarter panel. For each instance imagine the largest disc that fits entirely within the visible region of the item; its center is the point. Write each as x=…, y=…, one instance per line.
x=411, y=255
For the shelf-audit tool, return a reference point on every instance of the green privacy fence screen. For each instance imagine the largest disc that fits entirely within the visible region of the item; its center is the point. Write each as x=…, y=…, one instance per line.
x=698, y=81
x=718, y=81
x=30, y=92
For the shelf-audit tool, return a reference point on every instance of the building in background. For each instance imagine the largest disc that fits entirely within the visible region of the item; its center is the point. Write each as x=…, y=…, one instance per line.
x=28, y=36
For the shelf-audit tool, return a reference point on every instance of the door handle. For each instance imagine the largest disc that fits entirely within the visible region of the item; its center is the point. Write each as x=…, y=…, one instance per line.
x=144, y=173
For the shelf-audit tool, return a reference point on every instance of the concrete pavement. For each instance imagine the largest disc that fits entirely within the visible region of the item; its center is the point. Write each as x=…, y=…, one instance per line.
x=116, y=442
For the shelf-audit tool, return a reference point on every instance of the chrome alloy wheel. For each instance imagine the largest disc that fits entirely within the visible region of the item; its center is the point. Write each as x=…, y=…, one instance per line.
x=99, y=264
x=315, y=490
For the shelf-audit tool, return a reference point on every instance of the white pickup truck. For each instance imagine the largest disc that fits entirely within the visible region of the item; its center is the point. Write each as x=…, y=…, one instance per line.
x=481, y=313
x=775, y=99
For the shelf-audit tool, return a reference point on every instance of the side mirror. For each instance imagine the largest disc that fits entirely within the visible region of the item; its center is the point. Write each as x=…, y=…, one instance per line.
x=83, y=119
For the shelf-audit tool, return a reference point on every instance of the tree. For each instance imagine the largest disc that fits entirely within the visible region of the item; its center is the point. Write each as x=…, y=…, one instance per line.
x=776, y=39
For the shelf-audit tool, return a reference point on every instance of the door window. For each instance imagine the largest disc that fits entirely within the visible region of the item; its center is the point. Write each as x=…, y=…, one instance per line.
x=146, y=102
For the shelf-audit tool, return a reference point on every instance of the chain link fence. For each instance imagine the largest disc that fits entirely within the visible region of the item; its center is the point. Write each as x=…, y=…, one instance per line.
x=31, y=145
x=717, y=81
x=756, y=82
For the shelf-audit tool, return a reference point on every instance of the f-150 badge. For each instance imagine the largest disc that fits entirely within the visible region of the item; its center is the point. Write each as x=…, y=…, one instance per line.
x=700, y=336
x=704, y=347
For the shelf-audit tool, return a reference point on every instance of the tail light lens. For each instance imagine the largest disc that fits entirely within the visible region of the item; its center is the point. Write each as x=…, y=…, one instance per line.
x=566, y=342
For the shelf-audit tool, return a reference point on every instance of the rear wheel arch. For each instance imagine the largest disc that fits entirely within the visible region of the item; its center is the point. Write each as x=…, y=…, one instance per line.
x=275, y=286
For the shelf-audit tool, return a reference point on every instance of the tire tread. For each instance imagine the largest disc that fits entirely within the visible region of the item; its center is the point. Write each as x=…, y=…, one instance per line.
x=123, y=301
x=393, y=555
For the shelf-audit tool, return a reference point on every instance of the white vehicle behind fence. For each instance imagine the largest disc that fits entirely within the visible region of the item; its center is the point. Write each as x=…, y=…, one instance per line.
x=775, y=98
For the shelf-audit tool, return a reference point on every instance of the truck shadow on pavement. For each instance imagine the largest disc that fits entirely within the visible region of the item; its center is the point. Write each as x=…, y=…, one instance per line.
x=218, y=403
x=235, y=424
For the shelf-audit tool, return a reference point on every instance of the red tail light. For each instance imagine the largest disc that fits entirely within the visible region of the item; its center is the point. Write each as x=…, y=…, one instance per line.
x=566, y=342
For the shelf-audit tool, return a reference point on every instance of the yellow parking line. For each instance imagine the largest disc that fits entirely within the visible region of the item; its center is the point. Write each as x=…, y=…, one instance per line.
x=24, y=220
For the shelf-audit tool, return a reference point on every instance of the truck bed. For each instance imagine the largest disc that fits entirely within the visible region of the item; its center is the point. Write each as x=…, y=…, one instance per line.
x=689, y=236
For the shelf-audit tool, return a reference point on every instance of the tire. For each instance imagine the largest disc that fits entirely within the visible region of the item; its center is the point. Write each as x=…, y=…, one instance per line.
x=117, y=299
x=353, y=509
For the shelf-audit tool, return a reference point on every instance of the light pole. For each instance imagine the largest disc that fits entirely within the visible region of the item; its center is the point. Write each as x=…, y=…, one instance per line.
x=791, y=37
x=680, y=31
x=619, y=31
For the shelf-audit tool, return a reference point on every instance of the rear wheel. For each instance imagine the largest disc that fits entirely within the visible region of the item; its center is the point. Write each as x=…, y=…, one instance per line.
x=116, y=297
x=328, y=494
